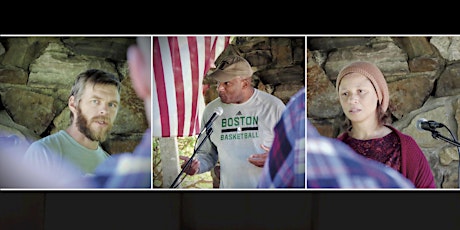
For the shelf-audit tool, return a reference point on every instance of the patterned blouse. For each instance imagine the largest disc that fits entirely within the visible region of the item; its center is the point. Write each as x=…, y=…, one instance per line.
x=386, y=150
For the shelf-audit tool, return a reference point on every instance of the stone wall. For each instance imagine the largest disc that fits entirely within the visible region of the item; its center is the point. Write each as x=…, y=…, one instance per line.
x=278, y=64
x=37, y=72
x=423, y=80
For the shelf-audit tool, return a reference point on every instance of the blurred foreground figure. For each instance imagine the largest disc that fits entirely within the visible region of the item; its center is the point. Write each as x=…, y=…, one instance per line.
x=285, y=166
x=333, y=164
x=133, y=170
x=16, y=173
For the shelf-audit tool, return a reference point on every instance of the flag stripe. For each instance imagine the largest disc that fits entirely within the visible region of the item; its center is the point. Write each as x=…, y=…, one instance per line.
x=160, y=87
x=179, y=83
x=180, y=64
x=196, y=83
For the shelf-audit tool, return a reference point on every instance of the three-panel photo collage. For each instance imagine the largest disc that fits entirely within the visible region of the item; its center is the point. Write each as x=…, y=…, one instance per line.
x=229, y=112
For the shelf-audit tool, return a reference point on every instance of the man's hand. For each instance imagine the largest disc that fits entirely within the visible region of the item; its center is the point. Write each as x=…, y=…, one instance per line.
x=193, y=167
x=259, y=159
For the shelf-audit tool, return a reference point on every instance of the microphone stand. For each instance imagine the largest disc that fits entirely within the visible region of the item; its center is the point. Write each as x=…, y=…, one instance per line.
x=208, y=134
x=436, y=135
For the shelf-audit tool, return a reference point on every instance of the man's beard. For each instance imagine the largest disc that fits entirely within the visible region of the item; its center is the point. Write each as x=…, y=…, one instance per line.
x=84, y=127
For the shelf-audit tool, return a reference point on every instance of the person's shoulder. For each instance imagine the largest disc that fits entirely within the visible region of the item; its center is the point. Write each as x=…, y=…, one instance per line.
x=269, y=97
x=262, y=93
x=216, y=102
x=212, y=105
x=47, y=141
x=299, y=95
x=342, y=135
x=40, y=142
x=52, y=137
x=402, y=136
x=297, y=98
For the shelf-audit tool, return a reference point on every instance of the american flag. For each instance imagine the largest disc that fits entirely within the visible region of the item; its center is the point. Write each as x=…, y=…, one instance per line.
x=179, y=66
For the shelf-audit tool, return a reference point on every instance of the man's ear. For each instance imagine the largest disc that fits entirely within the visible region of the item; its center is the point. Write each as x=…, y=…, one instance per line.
x=246, y=83
x=72, y=104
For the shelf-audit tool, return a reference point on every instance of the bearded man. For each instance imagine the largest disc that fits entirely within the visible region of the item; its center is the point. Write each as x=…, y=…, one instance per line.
x=93, y=102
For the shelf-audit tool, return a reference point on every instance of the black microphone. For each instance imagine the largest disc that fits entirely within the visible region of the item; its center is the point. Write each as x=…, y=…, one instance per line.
x=217, y=112
x=424, y=124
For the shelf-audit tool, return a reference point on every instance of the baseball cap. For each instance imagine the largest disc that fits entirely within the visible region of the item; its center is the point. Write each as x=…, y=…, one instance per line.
x=230, y=67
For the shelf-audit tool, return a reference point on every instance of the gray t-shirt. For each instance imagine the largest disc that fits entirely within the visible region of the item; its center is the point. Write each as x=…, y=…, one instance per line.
x=51, y=150
x=237, y=134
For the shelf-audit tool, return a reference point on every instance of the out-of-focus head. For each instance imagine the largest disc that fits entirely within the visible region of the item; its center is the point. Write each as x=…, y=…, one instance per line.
x=140, y=63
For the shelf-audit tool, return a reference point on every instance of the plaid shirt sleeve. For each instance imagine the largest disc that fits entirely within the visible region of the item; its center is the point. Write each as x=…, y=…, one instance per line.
x=127, y=170
x=285, y=165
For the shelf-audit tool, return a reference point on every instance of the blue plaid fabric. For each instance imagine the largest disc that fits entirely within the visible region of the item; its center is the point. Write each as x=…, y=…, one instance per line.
x=333, y=164
x=285, y=165
x=127, y=170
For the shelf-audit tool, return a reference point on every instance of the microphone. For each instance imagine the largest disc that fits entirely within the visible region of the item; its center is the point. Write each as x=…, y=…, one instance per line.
x=424, y=124
x=217, y=112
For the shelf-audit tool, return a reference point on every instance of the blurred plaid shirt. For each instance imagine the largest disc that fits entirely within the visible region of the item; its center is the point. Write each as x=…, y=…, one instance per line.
x=127, y=170
x=285, y=165
x=333, y=164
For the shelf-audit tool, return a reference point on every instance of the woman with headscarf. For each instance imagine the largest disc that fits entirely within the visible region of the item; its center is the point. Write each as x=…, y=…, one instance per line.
x=364, y=97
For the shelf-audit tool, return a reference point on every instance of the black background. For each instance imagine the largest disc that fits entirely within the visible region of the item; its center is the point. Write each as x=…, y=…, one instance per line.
x=267, y=209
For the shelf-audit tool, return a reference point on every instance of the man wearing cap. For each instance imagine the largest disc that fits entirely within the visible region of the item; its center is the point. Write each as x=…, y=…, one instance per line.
x=364, y=97
x=243, y=134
